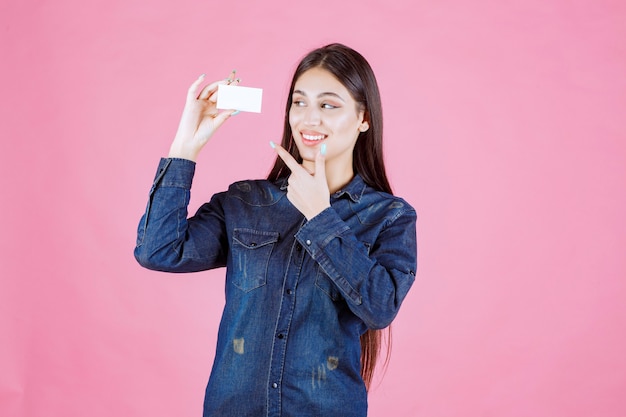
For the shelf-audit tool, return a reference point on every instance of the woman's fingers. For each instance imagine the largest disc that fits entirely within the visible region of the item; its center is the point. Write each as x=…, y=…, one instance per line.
x=191, y=92
x=208, y=90
x=209, y=93
x=295, y=167
x=231, y=77
x=222, y=117
x=289, y=160
x=307, y=192
x=200, y=118
x=228, y=81
x=320, y=163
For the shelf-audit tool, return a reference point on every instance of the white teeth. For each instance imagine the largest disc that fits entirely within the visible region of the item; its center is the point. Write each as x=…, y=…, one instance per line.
x=310, y=137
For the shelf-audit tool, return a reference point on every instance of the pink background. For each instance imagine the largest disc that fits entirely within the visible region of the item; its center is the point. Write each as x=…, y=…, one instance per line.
x=505, y=128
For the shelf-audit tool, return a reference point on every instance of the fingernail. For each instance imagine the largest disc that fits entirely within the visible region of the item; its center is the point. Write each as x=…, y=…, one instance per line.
x=238, y=80
x=323, y=149
x=235, y=113
x=202, y=75
x=272, y=144
x=234, y=71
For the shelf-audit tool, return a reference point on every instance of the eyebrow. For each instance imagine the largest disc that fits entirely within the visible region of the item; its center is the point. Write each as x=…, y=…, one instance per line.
x=326, y=93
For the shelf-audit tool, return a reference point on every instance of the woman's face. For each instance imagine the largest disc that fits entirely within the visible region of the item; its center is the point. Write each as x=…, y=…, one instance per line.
x=323, y=111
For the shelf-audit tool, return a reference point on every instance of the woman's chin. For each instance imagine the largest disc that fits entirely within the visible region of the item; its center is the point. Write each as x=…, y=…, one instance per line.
x=307, y=153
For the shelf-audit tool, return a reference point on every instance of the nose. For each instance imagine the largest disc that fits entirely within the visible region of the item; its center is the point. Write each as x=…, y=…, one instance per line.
x=312, y=116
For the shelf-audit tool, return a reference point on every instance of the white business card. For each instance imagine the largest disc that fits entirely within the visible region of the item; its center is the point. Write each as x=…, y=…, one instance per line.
x=239, y=98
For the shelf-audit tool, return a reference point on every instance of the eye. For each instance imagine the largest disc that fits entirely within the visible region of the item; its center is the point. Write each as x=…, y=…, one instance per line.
x=328, y=106
x=298, y=103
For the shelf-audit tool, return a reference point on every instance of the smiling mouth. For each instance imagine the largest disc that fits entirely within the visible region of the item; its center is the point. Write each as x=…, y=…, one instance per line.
x=313, y=138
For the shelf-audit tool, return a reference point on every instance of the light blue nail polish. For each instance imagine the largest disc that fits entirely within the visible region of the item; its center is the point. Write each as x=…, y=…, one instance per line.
x=272, y=144
x=323, y=149
x=235, y=113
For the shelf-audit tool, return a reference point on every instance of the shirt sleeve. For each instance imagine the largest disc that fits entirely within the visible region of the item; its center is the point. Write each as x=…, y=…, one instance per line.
x=166, y=239
x=374, y=284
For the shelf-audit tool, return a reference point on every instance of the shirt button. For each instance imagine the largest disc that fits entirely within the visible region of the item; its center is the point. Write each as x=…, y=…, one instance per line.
x=280, y=335
x=289, y=292
x=308, y=242
x=274, y=385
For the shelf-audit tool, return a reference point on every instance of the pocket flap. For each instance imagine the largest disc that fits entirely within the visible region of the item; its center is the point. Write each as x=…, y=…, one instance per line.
x=253, y=239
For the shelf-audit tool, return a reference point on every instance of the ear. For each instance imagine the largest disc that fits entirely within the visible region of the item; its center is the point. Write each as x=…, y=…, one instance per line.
x=363, y=115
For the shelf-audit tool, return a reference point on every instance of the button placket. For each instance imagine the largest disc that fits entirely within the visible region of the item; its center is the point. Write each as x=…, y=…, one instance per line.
x=285, y=315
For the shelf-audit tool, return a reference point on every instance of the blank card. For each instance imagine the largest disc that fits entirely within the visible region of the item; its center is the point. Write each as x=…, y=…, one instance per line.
x=239, y=98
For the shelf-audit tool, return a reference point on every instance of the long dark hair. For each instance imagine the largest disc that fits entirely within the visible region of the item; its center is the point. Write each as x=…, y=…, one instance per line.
x=355, y=73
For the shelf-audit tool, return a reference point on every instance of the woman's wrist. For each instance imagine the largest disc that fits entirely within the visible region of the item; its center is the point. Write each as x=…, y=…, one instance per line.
x=182, y=152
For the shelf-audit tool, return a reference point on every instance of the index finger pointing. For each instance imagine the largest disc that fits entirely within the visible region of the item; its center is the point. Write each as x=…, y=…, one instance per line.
x=286, y=157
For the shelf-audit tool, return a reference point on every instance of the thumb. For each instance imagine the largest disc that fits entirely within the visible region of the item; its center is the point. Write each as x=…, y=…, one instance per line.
x=320, y=162
x=223, y=116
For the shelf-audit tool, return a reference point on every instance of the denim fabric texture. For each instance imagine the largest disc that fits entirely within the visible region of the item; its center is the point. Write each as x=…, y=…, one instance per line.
x=298, y=293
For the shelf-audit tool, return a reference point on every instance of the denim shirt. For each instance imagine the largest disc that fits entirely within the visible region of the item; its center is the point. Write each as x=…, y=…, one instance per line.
x=299, y=293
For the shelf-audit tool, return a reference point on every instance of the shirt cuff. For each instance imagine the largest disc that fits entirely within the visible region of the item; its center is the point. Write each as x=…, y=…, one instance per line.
x=174, y=172
x=318, y=233
x=320, y=230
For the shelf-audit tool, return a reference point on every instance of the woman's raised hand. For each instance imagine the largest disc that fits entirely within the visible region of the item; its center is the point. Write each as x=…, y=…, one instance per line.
x=200, y=118
x=307, y=191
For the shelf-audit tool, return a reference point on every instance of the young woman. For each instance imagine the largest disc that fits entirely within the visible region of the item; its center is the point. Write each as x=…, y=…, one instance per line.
x=318, y=257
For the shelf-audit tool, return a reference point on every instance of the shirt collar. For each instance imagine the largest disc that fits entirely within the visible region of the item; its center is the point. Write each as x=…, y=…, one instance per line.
x=354, y=190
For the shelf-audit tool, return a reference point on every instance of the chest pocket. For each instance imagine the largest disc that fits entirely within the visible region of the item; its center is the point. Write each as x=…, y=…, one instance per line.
x=251, y=250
